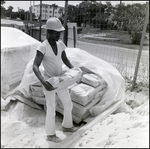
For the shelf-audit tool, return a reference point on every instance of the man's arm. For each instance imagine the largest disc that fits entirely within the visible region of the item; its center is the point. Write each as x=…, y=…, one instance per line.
x=37, y=61
x=66, y=60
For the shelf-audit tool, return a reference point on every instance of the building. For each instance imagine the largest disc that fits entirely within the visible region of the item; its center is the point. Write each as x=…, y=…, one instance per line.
x=47, y=11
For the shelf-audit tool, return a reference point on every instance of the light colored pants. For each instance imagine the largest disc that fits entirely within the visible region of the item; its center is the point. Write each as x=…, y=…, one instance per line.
x=50, y=114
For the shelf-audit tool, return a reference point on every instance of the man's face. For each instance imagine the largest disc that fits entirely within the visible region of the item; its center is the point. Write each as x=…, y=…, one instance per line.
x=54, y=35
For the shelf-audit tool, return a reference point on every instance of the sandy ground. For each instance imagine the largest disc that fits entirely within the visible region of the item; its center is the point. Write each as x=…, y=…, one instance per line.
x=23, y=126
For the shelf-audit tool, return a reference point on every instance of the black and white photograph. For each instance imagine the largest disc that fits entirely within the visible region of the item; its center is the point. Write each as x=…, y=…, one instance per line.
x=74, y=74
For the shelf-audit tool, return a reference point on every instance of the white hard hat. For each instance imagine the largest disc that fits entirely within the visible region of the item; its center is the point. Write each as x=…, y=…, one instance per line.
x=54, y=23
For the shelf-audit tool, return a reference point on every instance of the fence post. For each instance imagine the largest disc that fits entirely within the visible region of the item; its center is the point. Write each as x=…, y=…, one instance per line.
x=74, y=36
x=140, y=48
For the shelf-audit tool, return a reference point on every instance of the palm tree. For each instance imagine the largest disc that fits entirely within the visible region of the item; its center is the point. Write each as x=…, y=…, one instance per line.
x=54, y=7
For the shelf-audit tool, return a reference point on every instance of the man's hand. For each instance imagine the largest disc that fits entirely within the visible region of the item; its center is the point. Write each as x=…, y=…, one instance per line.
x=48, y=86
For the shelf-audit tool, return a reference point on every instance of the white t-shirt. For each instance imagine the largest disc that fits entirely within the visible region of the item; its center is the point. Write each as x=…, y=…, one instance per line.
x=52, y=63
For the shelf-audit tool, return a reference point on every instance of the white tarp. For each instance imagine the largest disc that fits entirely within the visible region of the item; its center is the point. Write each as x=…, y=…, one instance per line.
x=17, y=49
x=114, y=80
x=80, y=58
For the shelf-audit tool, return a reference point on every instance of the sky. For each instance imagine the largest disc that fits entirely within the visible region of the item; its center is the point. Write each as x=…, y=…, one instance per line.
x=26, y=4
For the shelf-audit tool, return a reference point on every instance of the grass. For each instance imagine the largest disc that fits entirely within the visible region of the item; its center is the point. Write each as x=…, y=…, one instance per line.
x=123, y=36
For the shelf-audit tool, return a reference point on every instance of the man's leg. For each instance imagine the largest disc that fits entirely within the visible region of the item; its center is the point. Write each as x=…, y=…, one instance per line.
x=50, y=116
x=67, y=123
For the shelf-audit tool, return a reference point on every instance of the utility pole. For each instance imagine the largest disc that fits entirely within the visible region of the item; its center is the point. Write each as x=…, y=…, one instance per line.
x=30, y=18
x=33, y=12
x=27, y=20
x=30, y=12
x=65, y=22
x=40, y=20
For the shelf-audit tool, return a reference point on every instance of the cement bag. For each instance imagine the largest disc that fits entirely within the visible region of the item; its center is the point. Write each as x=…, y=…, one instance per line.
x=37, y=90
x=75, y=118
x=67, y=79
x=39, y=100
x=83, y=93
x=83, y=111
x=114, y=80
x=37, y=93
x=29, y=79
x=91, y=79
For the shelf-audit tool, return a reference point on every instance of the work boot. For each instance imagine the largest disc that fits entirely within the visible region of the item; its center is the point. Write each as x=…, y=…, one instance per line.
x=53, y=138
x=73, y=129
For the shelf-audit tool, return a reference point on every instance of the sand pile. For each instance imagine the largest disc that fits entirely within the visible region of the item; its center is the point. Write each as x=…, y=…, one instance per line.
x=23, y=126
x=128, y=127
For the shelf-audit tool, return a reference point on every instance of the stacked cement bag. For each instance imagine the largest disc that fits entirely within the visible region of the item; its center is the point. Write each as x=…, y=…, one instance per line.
x=67, y=79
x=37, y=94
x=86, y=90
x=85, y=95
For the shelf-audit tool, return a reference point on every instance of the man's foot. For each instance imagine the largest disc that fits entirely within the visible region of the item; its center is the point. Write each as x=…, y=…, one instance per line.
x=73, y=129
x=53, y=138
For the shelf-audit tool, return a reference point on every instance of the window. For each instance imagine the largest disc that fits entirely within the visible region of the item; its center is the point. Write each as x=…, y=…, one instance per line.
x=56, y=12
x=50, y=11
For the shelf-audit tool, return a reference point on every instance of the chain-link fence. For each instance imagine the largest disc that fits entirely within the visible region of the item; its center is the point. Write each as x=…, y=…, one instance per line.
x=113, y=33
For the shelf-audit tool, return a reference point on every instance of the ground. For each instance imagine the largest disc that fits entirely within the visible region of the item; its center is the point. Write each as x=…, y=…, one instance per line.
x=23, y=126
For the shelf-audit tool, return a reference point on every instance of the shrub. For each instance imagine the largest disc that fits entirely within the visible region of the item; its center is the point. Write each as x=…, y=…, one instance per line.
x=136, y=37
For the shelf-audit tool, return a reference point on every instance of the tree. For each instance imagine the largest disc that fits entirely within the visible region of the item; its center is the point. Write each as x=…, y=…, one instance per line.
x=109, y=13
x=131, y=18
x=3, y=10
x=71, y=13
x=2, y=3
x=136, y=17
x=21, y=13
x=60, y=11
x=9, y=11
x=119, y=16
